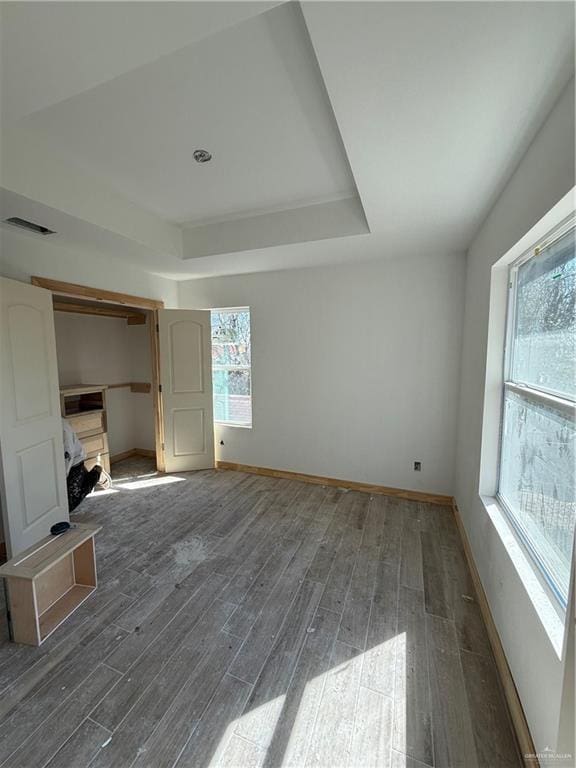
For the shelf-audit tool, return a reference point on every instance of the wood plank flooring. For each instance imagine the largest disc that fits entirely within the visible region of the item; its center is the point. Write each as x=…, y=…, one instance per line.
x=254, y=622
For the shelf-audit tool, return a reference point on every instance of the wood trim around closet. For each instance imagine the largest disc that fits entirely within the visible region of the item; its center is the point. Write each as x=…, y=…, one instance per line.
x=156, y=397
x=132, y=316
x=98, y=294
x=124, y=299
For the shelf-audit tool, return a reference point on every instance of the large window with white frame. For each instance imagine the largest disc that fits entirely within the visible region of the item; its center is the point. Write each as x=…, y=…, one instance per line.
x=232, y=366
x=537, y=484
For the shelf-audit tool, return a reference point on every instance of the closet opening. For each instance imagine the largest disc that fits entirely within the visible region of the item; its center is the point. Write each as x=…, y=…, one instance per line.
x=108, y=373
x=136, y=379
x=105, y=371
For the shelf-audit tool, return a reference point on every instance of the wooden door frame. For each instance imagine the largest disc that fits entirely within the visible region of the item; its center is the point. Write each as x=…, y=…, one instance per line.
x=96, y=294
x=156, y=394
x=127, y=300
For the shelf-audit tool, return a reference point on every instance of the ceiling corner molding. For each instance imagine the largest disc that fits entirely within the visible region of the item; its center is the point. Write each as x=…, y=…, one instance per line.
x=322, y=221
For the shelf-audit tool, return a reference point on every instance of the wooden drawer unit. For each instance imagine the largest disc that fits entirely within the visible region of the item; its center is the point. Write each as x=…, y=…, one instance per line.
x=96, y=448
x=95, y=444
x=87, y=424
x=84, y=407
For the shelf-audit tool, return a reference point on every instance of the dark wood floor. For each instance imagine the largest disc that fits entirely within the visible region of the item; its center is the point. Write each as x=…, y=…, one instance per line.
x=248, y=621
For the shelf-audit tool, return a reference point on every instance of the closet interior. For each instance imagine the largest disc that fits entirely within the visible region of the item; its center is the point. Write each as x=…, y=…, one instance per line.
x=105, y=374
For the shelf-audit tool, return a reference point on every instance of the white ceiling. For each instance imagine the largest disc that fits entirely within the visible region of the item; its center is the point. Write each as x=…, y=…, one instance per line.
x=437, y=102
x=52, y=51
x=252, y=95
x=423, y=110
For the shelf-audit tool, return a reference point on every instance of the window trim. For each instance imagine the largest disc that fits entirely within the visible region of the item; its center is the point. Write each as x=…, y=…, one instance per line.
x=552, y=399
x=526, y=542
x=542, y=396
x=234, y=424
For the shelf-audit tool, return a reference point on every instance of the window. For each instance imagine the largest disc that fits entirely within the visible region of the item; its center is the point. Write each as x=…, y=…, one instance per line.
x=537, y=485
x=231, y=371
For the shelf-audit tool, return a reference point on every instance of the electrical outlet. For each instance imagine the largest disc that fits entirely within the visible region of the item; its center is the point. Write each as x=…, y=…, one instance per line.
x=417, y=466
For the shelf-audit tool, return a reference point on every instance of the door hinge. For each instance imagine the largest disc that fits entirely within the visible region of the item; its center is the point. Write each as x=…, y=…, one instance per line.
x=157, y=328
x=159, y=387
x=163, y=446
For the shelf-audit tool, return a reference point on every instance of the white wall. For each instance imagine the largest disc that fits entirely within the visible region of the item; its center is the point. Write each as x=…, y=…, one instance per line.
x=93, y=350
x=355, y=368
x=545, y=174
x=142, y=404
x=24, y=255
x=103, y=350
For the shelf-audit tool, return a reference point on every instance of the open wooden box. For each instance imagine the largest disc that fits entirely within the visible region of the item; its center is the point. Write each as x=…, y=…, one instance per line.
x=47, y=582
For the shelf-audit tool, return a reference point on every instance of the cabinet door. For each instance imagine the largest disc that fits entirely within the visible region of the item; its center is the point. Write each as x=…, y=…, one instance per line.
x=186, y=377
x=33, y=477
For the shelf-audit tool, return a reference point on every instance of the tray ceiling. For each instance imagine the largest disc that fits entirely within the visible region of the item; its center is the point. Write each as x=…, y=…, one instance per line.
x=400, y=121
x=252, y=95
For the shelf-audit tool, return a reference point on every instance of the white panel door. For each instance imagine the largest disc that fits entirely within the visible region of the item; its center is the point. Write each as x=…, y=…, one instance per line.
x=186, y=378
x=32, y=477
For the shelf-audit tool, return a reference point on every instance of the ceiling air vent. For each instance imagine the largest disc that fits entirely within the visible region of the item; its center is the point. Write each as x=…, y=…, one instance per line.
x=30, y=226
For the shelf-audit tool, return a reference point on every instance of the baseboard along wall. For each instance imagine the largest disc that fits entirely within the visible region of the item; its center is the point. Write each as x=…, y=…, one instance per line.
x=145, y=452
x=399, y=493
x=515, y=709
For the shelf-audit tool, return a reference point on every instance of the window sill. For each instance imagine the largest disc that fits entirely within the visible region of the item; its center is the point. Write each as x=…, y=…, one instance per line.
x=545, y=604
x=235, y=426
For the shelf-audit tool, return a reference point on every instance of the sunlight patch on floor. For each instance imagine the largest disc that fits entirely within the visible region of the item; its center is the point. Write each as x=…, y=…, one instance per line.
x=135, y=485
x=117, y=477
x=100, y=492
x=314, y=716
x=258, y=725
x=221, y=755
x=400, y=722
